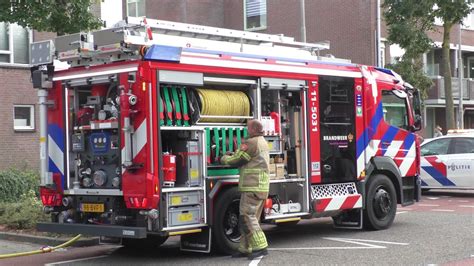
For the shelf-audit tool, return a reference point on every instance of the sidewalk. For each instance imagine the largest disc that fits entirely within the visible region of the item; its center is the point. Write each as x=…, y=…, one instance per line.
x=13, y=242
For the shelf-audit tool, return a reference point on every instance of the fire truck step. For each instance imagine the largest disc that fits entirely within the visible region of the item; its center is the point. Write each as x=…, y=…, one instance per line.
x=98, y=230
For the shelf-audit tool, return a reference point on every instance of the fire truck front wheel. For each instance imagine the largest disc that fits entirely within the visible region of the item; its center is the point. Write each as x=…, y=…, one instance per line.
x=226, y=232
x=381, y=203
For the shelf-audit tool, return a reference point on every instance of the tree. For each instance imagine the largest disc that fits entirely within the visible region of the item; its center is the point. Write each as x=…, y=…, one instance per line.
x=409, y=21
x=407, y=27
x=59, y=16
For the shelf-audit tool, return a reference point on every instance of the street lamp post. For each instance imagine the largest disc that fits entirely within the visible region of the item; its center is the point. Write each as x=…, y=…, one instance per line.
x=460, y=76
x=302, y=21
x=378, y=37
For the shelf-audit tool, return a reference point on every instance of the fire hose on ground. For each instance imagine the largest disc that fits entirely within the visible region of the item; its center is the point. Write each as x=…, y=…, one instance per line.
x=42, y=250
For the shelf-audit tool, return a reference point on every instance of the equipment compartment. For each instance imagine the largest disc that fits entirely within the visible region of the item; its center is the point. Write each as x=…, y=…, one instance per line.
x=185, y=215
x=187, y=148
x=184, y=198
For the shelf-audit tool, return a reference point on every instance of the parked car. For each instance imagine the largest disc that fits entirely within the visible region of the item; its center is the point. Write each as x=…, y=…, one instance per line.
x=448, y=162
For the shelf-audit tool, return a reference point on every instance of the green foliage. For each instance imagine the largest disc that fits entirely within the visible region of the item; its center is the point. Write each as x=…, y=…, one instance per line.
x=408, y=22
x=24, y=213
x=451, y=11
x=14, y=183
x=60, y=16
x=412, y=72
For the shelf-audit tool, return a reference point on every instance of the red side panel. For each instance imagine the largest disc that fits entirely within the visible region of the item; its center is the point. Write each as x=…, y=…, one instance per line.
x=314, y=138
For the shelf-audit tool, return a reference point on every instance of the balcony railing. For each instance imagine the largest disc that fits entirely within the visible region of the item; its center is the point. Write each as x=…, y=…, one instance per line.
x=437, y=90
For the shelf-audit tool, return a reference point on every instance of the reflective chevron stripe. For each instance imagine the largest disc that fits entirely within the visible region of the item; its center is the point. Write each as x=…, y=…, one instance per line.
x=338, y=203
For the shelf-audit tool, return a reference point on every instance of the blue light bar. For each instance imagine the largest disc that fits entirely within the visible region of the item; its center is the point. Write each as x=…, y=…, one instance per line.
x=163, y=53
x=386, y=71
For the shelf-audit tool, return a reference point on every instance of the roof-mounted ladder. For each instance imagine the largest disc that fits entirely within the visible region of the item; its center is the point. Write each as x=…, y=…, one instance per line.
x=124, y=42
x=222, y=34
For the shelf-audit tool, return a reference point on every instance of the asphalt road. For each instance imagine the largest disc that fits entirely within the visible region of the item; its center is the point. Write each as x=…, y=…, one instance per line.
x=437, y=230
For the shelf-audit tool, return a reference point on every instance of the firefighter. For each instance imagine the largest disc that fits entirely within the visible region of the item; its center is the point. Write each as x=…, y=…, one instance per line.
x=253, y=159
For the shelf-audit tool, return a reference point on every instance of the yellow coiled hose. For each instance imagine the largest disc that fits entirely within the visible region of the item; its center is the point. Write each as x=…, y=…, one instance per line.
x=223, y=103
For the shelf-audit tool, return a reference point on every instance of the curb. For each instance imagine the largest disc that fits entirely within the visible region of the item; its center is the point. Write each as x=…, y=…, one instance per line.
x=48, y=241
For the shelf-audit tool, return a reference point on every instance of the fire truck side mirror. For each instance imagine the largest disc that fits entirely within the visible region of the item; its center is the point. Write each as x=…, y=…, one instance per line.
x=417, y=123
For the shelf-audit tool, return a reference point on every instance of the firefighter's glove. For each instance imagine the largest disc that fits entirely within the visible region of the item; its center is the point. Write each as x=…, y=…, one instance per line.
x=224, y=158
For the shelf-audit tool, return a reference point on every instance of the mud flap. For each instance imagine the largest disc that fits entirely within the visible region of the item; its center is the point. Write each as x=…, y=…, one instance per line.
x=199, y=242
x=349, y=220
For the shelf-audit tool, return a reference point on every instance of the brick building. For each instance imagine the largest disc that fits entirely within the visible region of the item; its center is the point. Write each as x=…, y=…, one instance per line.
x=350, y=26
x=19, y=134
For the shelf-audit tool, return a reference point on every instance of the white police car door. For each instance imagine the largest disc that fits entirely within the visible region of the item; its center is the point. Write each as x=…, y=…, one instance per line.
x=460, y=162
x=433, y=163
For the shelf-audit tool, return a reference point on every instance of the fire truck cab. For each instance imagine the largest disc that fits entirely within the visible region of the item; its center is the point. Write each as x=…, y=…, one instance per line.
x=132, y=133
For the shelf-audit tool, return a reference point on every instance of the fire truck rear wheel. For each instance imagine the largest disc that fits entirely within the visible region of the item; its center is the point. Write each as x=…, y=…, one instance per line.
x=381, y=203
x=226, y=234
x=150, y=242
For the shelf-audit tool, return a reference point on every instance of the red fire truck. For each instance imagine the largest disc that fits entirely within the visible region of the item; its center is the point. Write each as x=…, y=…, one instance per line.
x=132, y=132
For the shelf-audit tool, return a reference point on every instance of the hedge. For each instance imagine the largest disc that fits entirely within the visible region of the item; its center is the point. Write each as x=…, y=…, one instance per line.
x=14, y=183
x=24, y=213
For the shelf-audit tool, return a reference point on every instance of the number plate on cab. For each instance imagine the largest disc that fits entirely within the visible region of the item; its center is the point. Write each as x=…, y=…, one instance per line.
x=92, y=207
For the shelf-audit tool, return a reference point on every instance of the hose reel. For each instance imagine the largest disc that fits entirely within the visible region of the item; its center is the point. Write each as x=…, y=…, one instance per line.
x=181, y=106
x=223, y=106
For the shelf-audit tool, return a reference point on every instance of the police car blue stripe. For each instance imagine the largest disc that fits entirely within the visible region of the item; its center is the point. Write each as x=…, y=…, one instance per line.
x=436, y=175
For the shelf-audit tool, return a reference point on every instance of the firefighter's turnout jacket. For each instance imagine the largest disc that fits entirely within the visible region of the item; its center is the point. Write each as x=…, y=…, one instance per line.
x=253, y=163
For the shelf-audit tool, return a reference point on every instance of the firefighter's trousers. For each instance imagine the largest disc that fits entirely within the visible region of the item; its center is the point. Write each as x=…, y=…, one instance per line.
x=251, y=206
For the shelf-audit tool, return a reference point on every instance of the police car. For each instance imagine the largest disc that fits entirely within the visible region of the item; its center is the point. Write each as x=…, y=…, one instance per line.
x=448, y=161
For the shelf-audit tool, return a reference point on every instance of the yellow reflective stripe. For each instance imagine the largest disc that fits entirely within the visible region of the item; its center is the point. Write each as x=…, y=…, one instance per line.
x=258, y=240
x=253, y=170
x=263, y=182
x=238, y=157
x=245, y=155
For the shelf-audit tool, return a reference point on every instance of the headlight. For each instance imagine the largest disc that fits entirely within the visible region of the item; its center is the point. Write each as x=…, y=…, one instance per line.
x=100, y=178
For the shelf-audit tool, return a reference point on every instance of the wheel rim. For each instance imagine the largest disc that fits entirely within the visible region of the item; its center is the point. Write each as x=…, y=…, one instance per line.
x=382, y=203
x=231, y=222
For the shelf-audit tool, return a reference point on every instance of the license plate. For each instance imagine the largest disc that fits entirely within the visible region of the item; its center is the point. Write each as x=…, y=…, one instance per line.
x=185, y=217
x=92, y=207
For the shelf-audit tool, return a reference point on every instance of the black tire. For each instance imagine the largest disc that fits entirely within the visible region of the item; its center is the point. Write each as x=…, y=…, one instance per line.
x=381, y=203
x=225, y=231
x=150, y=242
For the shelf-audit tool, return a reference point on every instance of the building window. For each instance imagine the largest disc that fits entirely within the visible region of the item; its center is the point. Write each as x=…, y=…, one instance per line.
x=255, y=14
x=136, y=8
x=14, y=44
x=23, y=117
